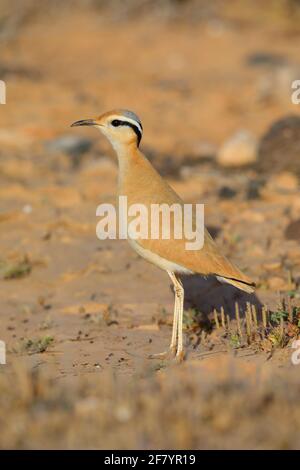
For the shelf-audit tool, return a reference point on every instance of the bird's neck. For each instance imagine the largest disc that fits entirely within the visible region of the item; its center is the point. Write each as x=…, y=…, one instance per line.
x=128, y=159
x=126, y=153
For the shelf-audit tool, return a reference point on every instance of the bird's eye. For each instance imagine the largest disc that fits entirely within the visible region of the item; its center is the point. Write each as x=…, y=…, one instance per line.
x=115, y=123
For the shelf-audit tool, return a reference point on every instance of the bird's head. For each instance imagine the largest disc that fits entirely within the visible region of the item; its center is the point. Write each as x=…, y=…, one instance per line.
x=121, y=127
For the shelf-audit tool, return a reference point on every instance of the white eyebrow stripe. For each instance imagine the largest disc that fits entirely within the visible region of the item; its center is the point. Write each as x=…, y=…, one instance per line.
x=127, y=119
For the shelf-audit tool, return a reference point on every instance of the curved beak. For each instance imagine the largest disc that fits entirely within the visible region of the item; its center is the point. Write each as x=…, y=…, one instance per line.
x=84, y=122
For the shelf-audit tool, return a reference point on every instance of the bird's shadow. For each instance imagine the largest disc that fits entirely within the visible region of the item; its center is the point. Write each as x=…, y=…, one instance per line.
x=207, y=294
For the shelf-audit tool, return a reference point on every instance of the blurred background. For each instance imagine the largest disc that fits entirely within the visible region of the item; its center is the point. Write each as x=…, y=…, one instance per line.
x=212, y=84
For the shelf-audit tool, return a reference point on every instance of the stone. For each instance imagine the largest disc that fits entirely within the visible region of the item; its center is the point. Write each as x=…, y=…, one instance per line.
x=280, y=146
x=277, y=283
x=238, y=150
x=225, y=192
x=272, y=265
x=284, y=182
x=292, y=231
x=71, y=145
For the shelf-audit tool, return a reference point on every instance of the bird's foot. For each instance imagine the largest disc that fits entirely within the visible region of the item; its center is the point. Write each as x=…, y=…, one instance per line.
x=169, y=354
x=162, y=355
x=180, y=356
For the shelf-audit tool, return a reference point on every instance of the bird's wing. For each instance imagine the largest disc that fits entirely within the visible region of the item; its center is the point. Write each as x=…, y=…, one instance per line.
x=207, y=260
x=143, y=185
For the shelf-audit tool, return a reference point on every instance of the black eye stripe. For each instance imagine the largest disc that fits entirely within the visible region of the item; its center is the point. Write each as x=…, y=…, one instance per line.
x=117, y=123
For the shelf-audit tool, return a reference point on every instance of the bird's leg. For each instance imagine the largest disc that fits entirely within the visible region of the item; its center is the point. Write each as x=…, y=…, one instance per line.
x=173, y=345
x=176, y=346
x=180, y=352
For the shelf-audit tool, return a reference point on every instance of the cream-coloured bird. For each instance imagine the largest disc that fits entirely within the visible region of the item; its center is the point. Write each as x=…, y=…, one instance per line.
x=142, y=184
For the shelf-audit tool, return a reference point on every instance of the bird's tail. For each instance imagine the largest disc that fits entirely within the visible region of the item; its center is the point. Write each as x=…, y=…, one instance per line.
x=245, y=286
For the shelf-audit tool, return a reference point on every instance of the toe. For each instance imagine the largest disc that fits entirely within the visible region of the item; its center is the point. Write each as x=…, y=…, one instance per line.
x=162, y=355
x=180, y=356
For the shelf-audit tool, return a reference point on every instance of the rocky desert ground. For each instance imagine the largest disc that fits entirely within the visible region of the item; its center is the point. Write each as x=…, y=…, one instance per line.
x=212, y=83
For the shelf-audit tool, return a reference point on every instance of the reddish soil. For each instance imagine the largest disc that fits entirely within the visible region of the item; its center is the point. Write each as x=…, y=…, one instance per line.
x=104, y=308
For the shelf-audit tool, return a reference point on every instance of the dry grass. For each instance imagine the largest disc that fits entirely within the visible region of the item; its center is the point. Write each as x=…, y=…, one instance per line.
x=13, y=14
x=69, y=397
x=158, y=411
x=260, y=330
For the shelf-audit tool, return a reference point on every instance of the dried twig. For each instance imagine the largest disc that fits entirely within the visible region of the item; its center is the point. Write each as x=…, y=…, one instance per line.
x=264, y=316
x=238, y=321
x=248, y=325
x=290, y=310
x=223, y=318
x=216, y=319
x=254, y=315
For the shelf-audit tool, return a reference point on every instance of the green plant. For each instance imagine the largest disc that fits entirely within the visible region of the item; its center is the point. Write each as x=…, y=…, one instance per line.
x=234, y=341
x=15, y=270
x=189, y=317
x=278, y=316
x=38, y=345
x=278, y=338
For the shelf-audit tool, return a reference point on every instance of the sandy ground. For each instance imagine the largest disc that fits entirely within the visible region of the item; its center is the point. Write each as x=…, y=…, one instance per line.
x=80, y=311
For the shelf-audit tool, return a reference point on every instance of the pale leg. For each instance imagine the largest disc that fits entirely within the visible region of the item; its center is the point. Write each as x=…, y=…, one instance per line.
x=175, y=332
x=173, y=344
x=180, y=352
x=177, y=336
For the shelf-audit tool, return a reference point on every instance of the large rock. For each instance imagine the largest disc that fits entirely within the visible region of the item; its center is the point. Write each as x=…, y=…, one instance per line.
x=292, y=231
x=70, y=144
x=279, y=149
x=239, y=150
